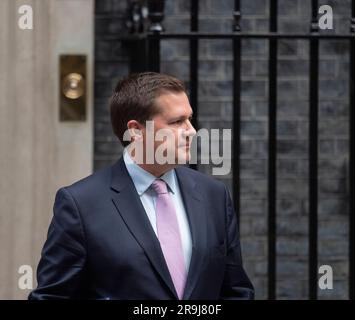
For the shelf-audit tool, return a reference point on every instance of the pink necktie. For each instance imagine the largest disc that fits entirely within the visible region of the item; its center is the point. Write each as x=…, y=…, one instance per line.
x=169, y=236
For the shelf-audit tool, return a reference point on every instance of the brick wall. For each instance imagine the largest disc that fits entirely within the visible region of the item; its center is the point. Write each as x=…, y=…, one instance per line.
x=215, y=111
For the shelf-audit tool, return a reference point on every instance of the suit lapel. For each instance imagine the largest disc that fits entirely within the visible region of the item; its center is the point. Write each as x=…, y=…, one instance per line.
x=195, y=208
x=129, y=206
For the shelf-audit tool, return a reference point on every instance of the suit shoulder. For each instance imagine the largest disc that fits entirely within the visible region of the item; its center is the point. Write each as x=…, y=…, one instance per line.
x=91, y=184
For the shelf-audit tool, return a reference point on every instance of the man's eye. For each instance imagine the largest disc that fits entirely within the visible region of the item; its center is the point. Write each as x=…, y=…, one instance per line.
x=180, y=121
x=177, y=122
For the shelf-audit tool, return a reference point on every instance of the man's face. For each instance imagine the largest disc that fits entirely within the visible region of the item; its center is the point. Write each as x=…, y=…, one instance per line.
x=174, y=117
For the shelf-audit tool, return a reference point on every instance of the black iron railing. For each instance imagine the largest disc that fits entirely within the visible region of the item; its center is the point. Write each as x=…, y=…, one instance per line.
x=146, y=56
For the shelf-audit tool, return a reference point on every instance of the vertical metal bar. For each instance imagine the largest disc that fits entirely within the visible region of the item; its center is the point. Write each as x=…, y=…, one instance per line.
x=194, y=62
x=138, y=55
x=352, y=161
x=272, y=154
x=194, y=7
x=313, y=157
x=154, y=54
x=156, y=16
x=236, y=111
x=137, y=46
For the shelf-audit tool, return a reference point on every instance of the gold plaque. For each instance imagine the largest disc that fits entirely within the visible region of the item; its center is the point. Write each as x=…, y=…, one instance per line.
x=72, y=88
x=73, y=85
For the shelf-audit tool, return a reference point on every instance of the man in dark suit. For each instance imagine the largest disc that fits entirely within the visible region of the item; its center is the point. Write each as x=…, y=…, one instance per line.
x=144, y=229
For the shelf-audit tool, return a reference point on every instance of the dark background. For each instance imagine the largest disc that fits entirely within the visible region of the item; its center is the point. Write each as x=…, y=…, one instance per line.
x=112, y=61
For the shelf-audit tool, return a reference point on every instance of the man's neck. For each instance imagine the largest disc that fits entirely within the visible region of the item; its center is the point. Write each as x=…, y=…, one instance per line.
x=155, y=169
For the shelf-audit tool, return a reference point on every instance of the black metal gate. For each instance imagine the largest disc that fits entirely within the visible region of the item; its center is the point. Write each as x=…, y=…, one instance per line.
x=145, y=55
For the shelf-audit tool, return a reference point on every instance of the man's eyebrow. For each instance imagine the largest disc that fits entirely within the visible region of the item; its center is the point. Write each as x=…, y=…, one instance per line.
x=190, y=116
x=182, y=117
x=178, y=118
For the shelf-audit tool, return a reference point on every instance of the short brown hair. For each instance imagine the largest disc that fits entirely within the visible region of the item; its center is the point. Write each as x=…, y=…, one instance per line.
x=134, y=96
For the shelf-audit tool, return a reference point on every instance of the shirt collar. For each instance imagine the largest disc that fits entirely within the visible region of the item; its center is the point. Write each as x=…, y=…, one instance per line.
x=142, y=179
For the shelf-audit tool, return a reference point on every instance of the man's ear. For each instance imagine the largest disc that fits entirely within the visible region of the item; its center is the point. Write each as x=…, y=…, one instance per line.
x=135, y=129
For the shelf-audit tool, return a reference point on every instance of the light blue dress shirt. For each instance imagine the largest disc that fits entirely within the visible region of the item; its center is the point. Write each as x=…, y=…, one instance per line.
x=142, y=180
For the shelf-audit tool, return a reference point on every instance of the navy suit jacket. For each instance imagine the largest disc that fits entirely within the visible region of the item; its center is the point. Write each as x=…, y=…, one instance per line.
x=101, y=245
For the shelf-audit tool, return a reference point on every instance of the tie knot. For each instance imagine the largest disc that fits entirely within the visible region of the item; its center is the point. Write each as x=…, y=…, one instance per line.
x=159, y=186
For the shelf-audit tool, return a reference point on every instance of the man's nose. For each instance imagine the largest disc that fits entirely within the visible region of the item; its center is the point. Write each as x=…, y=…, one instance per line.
x=190, y=130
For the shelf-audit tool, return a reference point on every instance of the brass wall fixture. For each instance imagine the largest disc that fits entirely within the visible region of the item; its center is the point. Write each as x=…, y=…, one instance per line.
x=72, y=88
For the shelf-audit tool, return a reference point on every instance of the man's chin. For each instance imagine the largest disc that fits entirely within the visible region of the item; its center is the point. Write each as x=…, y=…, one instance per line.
x=183, y=157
